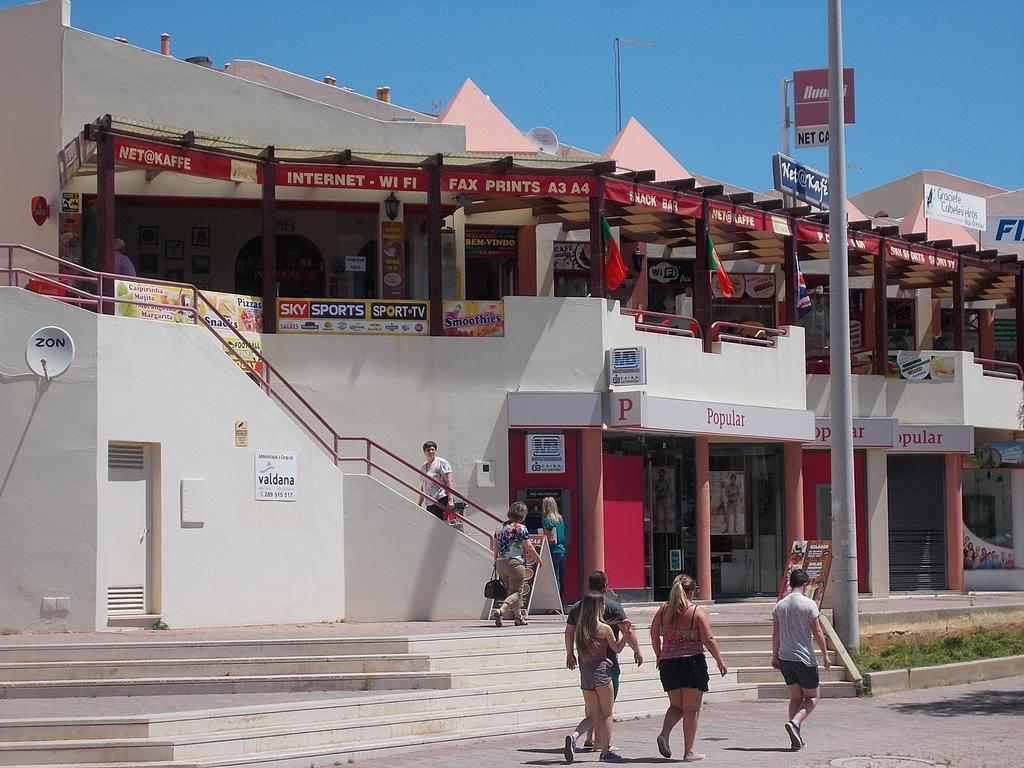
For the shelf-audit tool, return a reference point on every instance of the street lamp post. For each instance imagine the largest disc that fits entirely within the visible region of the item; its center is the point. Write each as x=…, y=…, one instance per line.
x=619, y=42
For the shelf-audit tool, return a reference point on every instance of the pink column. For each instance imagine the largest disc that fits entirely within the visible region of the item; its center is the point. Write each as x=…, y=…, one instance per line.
x=954, y=523
x=703, y=489
x=793, y=461
x=592, y=500
x=986, y=334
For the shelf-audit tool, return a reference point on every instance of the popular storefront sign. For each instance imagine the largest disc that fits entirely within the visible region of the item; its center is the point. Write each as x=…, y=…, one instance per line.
x=942, y=204
x=800, y=181
x=277, y=476
x=813, y=557
x=169, y=300
x=867, y=433
x=353, y=316
x=917, y=365
x=474, y=318
x=934, y=438
x=638, y=409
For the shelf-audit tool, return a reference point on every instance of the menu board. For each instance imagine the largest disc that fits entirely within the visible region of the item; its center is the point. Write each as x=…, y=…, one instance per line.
x=814, y=557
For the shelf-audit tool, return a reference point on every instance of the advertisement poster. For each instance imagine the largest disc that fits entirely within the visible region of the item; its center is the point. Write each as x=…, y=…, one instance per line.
x=539, y=590
x=168, y=297
x=491, y=241
x=982, y=555
x=663, y=505
x=728, y=503
x=276, y=476
x=571, y=256
x=353, y=316
x=996, y=456
x=392, y=246
x=474, y=318
x=916, y=365
x=814, y=557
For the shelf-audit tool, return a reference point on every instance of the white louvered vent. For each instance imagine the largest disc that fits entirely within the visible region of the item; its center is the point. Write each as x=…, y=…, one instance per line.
x=125, y=456
x=122, y=600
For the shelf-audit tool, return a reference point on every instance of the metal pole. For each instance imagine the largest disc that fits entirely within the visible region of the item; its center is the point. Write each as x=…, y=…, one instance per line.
x=844, y=521
x=785, y=128
x=618, y=87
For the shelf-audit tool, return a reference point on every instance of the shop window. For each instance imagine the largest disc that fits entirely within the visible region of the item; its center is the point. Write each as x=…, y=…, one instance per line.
x=572, y=268
x=491, y=254
x=988, y=505
x=300, y=268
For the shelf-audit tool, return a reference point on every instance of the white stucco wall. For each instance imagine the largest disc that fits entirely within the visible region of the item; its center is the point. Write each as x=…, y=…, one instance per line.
x=401, y=564
x=47, y=472
x=30, y=92
x=404, y=391
x=251, y=562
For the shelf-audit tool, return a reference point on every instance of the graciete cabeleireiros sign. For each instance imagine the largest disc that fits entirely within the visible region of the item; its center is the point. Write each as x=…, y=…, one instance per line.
x=800, y=181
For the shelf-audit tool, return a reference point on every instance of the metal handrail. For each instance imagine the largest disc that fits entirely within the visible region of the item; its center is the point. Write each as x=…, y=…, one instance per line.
x=987, y=366
x=770, y=334
x=641, y=317
x=264, y=379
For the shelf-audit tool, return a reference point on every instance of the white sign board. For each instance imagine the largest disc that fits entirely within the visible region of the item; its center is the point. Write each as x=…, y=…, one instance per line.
x=942, y=204
x=545, y=453
x=812, y=136
x=934, y=438
x=867, y=433
x=277, y=476
x=1004, y=231
x=627, y=365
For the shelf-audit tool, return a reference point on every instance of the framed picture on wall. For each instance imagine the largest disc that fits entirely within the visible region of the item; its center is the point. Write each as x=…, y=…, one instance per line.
x=175, y=275
x=149, y=262
x=174, y=250
x=147, y=235
x=203, y=286
x=201, y=236
x=200, y=264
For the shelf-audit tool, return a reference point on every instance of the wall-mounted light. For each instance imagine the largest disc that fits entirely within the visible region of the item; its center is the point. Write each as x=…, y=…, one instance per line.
x=40, y=210
x=638, y=259
x=391, y=204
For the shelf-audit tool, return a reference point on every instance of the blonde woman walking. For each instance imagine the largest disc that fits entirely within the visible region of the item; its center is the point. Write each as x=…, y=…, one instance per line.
x=593, y=639
x=510, y=546
x=554, y=527
x=680, y=632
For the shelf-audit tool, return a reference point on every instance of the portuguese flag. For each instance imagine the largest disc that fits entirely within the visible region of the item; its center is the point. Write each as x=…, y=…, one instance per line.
x=614, y=266
x=715, y=265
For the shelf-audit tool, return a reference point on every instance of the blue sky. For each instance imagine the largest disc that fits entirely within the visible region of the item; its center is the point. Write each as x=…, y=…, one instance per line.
x=940, y=83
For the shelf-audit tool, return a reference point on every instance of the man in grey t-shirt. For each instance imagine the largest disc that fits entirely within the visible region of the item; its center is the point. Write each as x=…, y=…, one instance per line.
x=794, y=621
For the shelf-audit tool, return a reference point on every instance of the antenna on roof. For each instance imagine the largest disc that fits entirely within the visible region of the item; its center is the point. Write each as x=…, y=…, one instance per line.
x=543, y=139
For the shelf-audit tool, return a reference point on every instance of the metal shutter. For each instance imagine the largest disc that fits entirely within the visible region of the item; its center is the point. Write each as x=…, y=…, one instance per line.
x=917, y=523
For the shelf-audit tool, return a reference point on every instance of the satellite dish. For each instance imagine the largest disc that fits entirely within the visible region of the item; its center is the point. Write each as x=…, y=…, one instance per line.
x=50, y=351
x=543, y=139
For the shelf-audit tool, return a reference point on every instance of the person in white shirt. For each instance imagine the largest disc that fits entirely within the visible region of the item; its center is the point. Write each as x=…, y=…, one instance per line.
x=794, y=621
x=435, y=491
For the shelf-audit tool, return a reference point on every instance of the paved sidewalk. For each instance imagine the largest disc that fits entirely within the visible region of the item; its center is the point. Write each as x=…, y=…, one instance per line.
x=965, y=726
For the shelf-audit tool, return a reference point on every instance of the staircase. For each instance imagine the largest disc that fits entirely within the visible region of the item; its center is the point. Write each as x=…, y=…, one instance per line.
x=324, y=701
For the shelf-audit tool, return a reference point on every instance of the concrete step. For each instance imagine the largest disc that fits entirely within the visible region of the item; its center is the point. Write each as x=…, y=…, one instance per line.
x=778, y=690
x=769, y=674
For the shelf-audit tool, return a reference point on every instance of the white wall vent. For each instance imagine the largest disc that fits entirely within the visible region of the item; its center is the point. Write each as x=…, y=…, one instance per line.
x=126, y=600
x=125, y=456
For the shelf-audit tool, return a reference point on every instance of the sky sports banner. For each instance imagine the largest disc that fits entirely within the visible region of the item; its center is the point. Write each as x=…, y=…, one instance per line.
x=353, y=316
x=952, y=207
x=801, y=181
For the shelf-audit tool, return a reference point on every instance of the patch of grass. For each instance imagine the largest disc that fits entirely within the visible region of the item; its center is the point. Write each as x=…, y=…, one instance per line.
x=978, y=644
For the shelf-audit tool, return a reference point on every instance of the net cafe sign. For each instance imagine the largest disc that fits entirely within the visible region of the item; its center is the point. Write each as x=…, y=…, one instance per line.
x=800, y=181
x=941, y=204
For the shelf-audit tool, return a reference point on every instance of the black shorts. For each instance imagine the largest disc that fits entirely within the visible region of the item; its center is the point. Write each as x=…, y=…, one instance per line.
x=687, y=672
x=438, y=508
x=798, y=673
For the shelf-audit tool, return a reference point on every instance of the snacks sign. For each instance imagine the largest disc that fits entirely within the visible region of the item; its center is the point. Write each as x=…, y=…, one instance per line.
x=474, y=318
x=242, y=313
x=917, y=365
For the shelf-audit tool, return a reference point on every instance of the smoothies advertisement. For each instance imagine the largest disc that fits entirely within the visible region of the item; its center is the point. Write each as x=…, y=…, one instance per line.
x=814, y=557
x=474, y=318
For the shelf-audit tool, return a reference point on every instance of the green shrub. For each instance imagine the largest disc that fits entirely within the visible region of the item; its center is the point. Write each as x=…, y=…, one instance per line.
x=978, y=644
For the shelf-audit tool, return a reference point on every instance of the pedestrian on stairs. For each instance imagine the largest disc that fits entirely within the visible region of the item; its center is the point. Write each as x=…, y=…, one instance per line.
x=794, y=620
x=680, y=631
x=511, y=546
x=435, y=491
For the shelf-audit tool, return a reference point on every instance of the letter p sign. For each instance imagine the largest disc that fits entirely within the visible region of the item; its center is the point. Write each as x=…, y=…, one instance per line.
x=625, y=406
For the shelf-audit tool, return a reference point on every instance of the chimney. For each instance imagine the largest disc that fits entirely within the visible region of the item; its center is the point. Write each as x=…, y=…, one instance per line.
x=330, y=80
x=165, y=44
x=384, y=94
x=120, y=39
x=201, y=61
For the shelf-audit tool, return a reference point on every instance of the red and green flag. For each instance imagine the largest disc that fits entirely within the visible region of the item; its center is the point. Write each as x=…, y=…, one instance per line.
x=614, y=266
x=715, y=265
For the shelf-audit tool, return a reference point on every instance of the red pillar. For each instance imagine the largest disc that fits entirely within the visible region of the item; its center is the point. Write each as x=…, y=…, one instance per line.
x=954, y=523
x=986, y=334
x=792, y=459
x=105, y=211
x=435, y=217
x=592, y=500
x=703, y=489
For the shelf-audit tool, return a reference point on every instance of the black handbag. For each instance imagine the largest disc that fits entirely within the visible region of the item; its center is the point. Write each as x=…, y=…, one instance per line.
x=494, y=589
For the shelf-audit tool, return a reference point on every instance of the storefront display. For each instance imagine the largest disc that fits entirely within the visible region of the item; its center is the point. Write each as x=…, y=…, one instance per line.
x=491, y=254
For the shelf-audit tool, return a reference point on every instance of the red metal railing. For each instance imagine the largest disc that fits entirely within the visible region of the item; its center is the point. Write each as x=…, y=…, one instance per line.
x=992, y=368
x=741, y=333
x=271, y=381
x=661, y=322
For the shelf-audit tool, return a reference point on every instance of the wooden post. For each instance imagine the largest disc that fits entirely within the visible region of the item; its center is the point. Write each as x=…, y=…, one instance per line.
x=702, y=278
x=105, y=203
x=268, y=242
x=435, y=283
x=959, y=341
x=597, y=251
x=881, y=310
x=792, y=287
